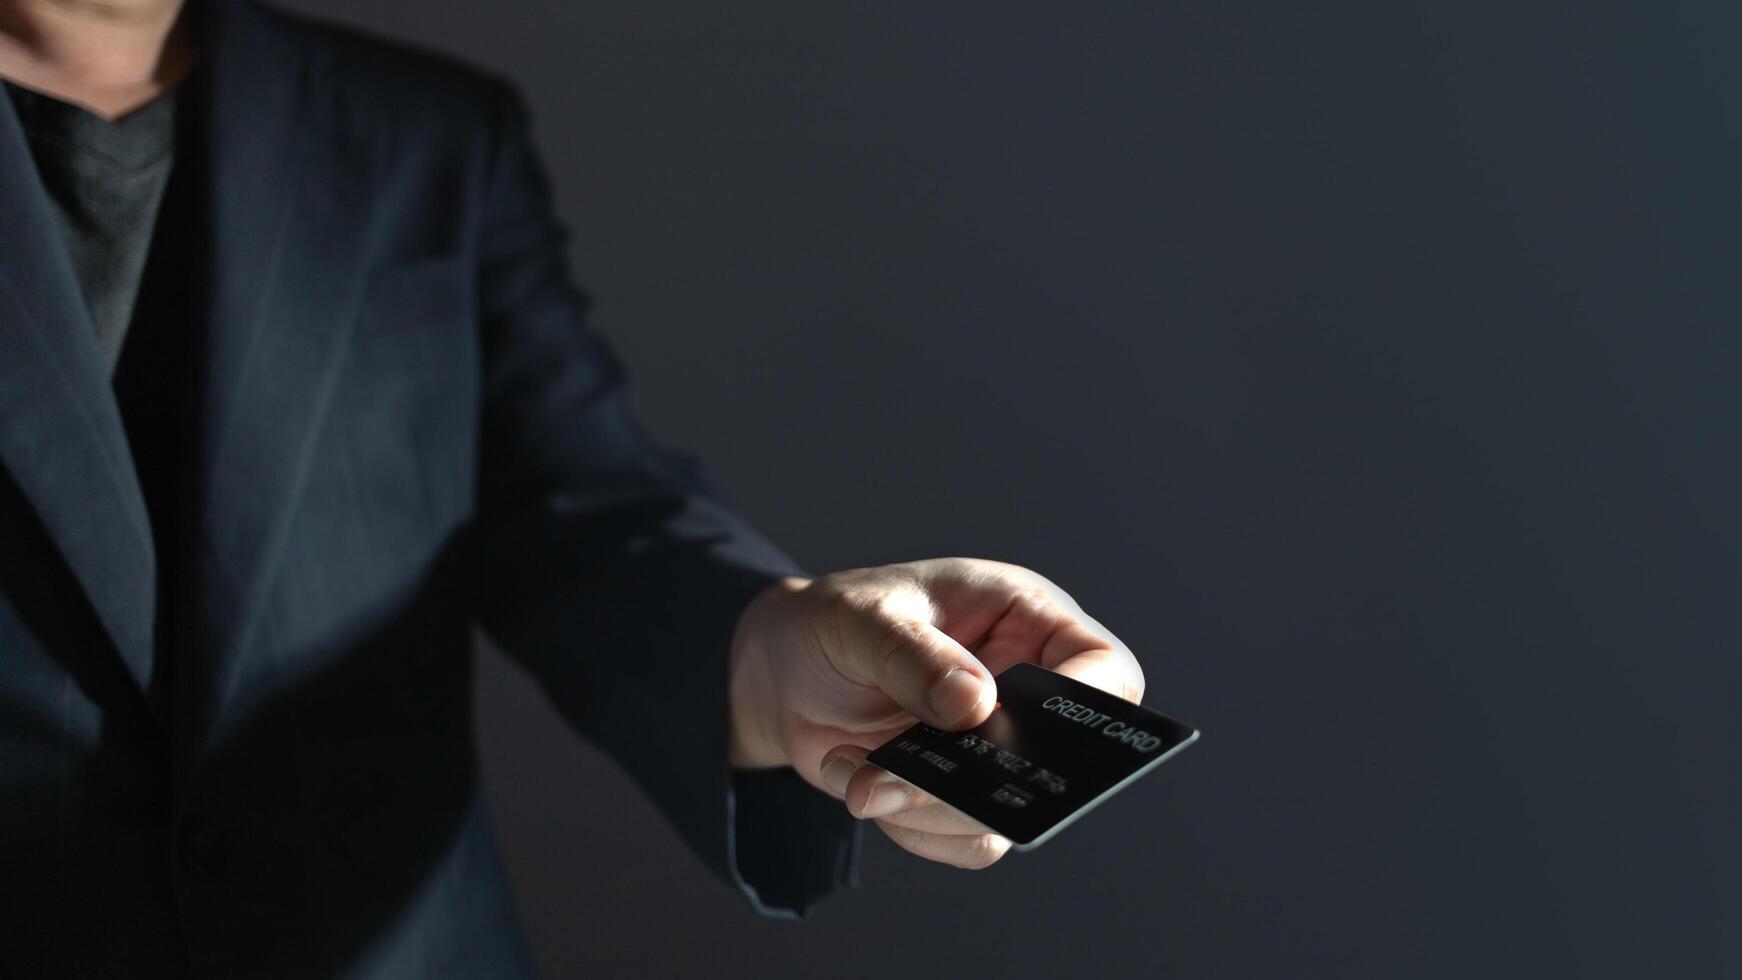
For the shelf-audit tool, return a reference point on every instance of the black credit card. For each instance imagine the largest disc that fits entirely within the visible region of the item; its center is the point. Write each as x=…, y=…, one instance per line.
x=1052, y=750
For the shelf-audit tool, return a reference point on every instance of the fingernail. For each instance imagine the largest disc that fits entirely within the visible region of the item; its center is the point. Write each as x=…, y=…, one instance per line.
x=955, y=695
x=836, y=775
x=885, y=798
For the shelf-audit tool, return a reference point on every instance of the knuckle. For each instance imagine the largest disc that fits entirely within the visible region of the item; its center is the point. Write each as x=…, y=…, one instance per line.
x=904, y=631
x=960, y=568
x=886, y=606
x=834, y=596
x=1032, y=579
x=901, y=603
x=1036, y=596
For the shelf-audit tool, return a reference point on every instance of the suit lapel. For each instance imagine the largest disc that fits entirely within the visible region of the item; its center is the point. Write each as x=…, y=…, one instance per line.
x=61, y=436
x=285, y=215
x=288, y=215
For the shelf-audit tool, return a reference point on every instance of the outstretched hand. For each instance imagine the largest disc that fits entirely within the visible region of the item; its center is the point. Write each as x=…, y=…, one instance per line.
x=824, y=671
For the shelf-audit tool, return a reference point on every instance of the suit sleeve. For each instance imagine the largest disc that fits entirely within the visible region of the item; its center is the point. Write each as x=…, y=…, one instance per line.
x=611, y=568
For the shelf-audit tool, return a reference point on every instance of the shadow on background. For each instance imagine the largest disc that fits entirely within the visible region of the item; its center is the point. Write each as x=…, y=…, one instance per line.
x=1372, y=370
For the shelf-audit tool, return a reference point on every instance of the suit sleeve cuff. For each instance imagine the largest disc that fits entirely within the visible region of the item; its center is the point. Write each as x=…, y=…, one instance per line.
x=789, y=844
x=783, y=843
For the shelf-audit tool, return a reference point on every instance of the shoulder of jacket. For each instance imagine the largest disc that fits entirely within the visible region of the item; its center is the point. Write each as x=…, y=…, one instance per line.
x=397, y=81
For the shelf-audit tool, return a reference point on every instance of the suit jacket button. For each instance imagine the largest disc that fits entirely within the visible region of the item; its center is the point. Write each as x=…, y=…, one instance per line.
x=204, y=850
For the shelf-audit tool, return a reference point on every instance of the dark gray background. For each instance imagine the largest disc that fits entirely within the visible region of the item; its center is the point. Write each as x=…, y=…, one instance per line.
x=1371, y=369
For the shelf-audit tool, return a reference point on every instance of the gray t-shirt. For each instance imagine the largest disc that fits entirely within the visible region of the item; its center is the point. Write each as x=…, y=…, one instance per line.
x=105, y=180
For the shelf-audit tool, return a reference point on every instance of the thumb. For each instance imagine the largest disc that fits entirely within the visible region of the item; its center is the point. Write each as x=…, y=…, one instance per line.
x=921, y=668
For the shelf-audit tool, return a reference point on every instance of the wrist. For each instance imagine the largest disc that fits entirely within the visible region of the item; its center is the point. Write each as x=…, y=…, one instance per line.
x=753, y=703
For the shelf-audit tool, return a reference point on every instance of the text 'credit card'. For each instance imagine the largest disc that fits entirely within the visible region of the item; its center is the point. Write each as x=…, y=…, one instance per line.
x=1052, y=750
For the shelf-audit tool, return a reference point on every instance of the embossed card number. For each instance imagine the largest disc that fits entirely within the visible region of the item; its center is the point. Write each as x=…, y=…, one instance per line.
x=1053, y=749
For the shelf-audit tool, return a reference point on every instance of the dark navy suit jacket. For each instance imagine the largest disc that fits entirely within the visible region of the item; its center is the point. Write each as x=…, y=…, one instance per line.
x=241, y=744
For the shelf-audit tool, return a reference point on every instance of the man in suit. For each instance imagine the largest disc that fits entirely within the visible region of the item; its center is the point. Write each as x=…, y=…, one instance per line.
x=294, y=390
